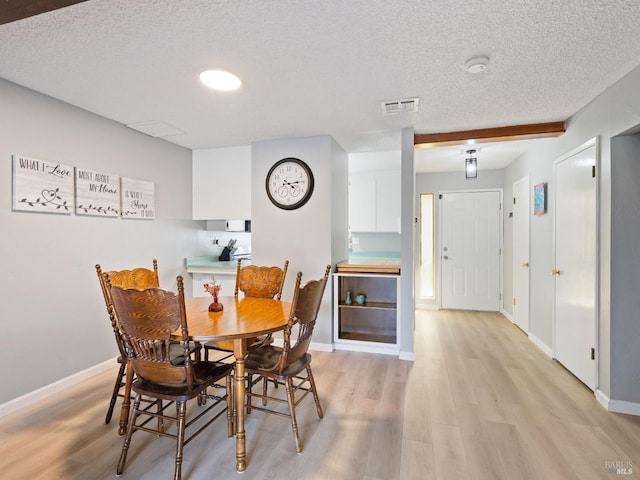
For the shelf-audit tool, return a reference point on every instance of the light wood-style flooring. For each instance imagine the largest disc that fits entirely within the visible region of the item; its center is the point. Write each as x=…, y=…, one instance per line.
x=480, y=402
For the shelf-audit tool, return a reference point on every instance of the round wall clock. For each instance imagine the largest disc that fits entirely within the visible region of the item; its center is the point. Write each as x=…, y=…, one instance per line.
x=289, y=183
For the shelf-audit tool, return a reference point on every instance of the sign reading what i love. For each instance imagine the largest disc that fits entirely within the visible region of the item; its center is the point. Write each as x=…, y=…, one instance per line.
x=42, y=186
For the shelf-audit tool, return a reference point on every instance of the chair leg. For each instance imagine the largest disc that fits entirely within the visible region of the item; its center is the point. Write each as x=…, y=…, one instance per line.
x=126, y=401
x=265, y=384
x=182, y=413
x=231, y=418
x=314, y=391
x=127, y=438
x=248, y=393
x=292, y=411
x=116, y=389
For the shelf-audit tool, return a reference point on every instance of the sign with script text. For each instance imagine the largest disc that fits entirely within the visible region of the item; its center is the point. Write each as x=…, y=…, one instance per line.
x=138, y=199
x=42, y=186
x=97, y=193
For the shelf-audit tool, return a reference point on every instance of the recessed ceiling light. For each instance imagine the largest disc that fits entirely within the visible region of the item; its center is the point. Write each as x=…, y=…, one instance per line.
x=476, y=64
x=220, y=80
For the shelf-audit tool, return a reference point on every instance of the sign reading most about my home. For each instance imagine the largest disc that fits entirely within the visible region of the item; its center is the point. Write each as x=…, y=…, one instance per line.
x=97, y=193
x=42, y=186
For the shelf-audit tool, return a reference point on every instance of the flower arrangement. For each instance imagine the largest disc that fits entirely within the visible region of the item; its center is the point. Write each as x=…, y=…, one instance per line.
x=213, y=288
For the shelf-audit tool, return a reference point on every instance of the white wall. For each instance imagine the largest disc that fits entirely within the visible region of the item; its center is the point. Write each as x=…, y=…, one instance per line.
x=312, y=236
x=616, y=110
x=53, y=315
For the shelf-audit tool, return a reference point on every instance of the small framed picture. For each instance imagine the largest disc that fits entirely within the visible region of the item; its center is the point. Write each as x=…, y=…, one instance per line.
x=540, y=198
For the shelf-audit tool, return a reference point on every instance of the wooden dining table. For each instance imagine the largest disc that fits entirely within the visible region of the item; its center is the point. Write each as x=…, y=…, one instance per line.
x=240, y=319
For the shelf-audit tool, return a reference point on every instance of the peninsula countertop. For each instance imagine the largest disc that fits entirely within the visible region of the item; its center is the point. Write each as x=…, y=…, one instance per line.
x=211, y=264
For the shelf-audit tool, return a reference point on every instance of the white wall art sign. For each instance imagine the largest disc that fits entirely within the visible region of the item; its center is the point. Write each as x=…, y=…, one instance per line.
x=97, y=193
x=42, y=186
x=138, y=199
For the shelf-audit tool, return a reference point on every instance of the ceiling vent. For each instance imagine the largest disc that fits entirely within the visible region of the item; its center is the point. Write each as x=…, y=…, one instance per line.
x=156, y=128
x=393, y=107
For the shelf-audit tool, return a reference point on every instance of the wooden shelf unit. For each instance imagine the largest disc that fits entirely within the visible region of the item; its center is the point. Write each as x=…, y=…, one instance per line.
x=372, y=326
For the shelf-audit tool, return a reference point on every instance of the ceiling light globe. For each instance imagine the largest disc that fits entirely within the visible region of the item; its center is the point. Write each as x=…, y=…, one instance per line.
x=220, y=80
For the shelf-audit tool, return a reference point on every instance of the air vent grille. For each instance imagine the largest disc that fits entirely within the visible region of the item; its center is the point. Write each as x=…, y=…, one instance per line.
x=393, y=107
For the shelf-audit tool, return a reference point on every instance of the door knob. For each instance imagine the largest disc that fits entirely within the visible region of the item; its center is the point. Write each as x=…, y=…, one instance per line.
x=446, y=257
x=555, y=272
x=525, y=264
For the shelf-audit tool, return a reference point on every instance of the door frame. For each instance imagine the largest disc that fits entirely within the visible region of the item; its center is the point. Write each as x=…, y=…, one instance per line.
x=595, y=141
x=438, y=259
x=514, y=262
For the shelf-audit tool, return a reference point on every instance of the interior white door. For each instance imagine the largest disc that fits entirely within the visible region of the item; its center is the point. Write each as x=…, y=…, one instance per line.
x=575, y=263
x=521, y=216
x=470, y=250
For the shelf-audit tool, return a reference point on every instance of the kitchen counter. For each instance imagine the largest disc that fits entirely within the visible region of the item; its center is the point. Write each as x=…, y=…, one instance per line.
x=212, y=265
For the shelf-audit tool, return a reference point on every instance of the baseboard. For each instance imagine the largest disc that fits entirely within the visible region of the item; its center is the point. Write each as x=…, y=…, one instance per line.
x=618, y=406
x=507, y=315
x=602, y=399
x=408, y=356
x=541, y=345
x=427, y=306
x=48, y=390
x=368, y=347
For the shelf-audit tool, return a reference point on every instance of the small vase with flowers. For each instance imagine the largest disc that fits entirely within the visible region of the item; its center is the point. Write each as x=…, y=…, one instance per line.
x=214, y=288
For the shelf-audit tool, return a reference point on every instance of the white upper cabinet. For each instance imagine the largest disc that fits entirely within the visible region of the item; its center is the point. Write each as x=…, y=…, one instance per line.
x=221, y=183
x=362, y=202
x=388, y=188
x=374, y=194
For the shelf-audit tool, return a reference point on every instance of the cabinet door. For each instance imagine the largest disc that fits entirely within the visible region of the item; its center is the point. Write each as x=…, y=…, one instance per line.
x=388, y=188
x=362, y=202
x=221, y=183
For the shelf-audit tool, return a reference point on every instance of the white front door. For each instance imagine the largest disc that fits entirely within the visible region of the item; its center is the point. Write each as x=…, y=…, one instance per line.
x=521, y=215
x=470, y=250
x=576, y=263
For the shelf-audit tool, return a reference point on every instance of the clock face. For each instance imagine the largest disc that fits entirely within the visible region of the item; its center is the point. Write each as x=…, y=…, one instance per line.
x=289, y=183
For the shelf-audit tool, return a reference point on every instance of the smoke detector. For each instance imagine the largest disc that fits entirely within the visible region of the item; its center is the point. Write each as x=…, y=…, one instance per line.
x=393, y=107
x=476, y=64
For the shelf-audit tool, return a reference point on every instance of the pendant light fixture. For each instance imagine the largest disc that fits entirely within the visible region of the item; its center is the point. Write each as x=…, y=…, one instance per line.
x=471, y=165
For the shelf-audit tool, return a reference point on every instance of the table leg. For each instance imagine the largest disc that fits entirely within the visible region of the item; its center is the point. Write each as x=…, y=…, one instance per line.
x=126, y=400
x=239, y=351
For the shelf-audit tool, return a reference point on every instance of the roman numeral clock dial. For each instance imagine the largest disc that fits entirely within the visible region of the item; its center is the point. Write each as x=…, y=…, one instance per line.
x=289, y=183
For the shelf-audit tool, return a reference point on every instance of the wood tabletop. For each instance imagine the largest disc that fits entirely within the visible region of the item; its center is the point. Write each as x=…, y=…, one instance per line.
x=241, y=318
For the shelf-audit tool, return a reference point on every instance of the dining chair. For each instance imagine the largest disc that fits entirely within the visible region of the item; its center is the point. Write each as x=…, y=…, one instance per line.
x=289, y=365
x=135, y=278
x=253, y=281
x=147, y=319
x=138, y=278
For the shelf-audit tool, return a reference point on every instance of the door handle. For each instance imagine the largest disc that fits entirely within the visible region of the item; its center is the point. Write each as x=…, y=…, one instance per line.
x=446, y=257
x=525, y=264
x=555, y=271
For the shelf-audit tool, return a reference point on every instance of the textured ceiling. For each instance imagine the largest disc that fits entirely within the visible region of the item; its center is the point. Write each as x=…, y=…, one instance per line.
x=323, y=67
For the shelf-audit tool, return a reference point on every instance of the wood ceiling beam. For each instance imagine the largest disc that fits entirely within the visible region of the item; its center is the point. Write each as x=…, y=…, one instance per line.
x=484, y=135
x=14, y=10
